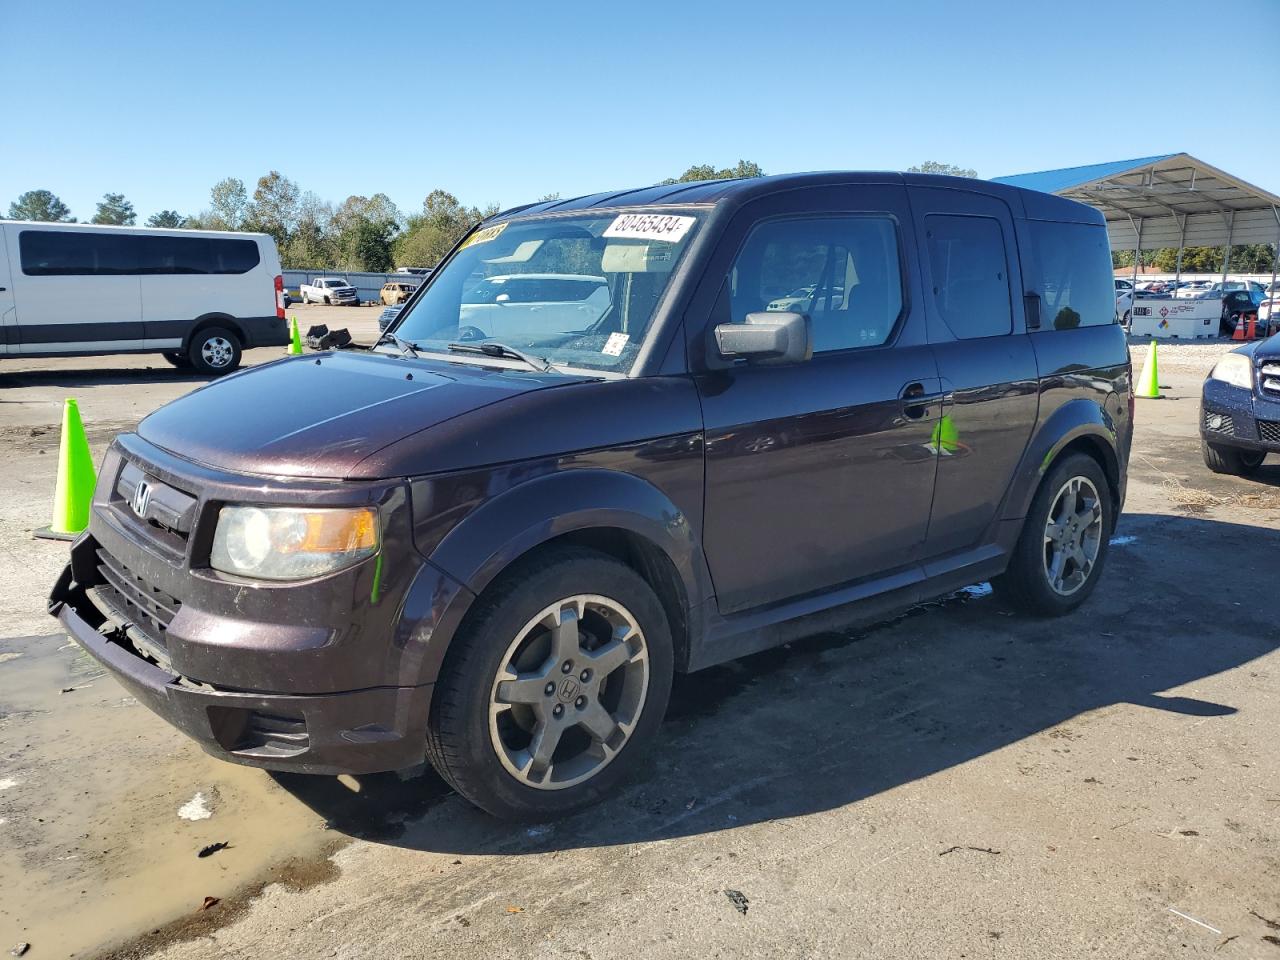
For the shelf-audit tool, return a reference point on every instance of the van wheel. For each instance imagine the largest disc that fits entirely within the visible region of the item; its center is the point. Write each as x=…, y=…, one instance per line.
x=1231, y=460
x=1064, y=541
x=179, y=360
x=553, y=688
x=215, y=351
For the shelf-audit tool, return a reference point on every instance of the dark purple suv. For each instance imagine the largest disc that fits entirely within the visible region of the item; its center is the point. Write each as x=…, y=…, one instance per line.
x=612, y=438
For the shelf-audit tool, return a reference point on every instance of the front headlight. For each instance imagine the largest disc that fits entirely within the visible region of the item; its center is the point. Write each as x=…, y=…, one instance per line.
x=1235, y=369
x=291, y=543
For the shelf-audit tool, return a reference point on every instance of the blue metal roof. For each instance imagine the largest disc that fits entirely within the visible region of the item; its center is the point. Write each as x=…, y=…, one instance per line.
x=1056, y=181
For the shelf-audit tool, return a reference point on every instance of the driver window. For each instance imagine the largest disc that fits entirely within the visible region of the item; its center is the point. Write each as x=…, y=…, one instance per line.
x=842, y=272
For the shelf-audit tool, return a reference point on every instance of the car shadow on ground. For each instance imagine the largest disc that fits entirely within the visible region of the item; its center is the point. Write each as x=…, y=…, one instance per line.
x=97, y=377
x=829, y=720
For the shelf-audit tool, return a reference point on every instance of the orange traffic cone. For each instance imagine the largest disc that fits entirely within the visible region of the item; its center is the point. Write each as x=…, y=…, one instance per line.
x=1238, y=332
x=1252, y=333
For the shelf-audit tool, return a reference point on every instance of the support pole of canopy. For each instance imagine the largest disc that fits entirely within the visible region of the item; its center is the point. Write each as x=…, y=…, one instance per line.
x=1182, y=240
x=1226, y=258
x=1271, y=290
x=1137, y=258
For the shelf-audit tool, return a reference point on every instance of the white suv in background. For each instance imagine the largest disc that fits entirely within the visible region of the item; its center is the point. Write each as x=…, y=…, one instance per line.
x=537, y=303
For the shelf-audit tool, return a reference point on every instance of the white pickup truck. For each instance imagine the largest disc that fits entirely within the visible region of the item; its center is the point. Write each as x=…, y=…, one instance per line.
x=329, y=290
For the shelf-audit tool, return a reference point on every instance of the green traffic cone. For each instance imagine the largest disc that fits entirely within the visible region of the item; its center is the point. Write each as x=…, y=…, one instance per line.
x=946, y=438
x=295, y=339
x=1149, y=382
x=73, y=492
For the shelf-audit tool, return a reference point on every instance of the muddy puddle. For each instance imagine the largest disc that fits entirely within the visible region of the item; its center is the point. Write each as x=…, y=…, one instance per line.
x=93, y=850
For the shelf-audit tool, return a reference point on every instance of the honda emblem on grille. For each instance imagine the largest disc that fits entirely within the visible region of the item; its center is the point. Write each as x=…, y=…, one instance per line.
x=141, y=498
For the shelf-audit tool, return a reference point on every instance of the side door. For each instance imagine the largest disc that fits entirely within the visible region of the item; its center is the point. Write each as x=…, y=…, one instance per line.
x=819, y=473
x=78, y=292
x=974, y=306
x=8, y=315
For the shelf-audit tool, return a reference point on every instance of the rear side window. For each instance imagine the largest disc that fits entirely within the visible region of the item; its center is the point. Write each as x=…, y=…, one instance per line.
x=842, y=272
x=1072, y=273
x=970, y=275
x=202, y=255
x=51, y=253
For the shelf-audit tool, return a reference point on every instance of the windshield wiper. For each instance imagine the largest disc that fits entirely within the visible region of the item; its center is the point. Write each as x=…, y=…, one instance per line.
x=401, y=342
x=541, y=364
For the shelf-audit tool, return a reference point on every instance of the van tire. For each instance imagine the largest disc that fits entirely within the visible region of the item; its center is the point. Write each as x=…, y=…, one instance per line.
x=1025, y=584
x=214, y=351
x=460, y=740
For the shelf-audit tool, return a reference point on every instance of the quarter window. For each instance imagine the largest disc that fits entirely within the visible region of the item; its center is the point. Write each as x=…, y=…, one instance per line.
x=842, y=272
x=970, y=275
x=1072, y=274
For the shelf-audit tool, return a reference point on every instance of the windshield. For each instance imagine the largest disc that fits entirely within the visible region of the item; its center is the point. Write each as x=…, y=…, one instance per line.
x=579, y=291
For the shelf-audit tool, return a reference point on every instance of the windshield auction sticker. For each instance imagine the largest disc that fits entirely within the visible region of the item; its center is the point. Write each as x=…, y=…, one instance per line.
x=485, y=235
x=650, y=226
x=613, y=347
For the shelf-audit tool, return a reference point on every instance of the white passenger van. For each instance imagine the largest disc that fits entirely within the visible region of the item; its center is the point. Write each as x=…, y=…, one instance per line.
x=199, y=297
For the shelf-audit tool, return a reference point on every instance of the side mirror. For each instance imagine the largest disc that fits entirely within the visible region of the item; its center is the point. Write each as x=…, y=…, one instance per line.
x=766, y=339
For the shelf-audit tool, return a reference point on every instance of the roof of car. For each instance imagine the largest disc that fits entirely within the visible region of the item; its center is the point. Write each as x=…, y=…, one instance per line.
x=1025, y=202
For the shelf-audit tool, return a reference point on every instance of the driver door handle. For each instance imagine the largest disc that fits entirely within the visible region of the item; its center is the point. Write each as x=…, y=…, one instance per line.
x=916, y=402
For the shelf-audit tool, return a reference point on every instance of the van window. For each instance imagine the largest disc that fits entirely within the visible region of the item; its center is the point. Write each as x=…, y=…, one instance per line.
x=202, y=255
x=970, y=275
x=843, y=272
x=49, y=253
x=1072, y=273
x=66, y=253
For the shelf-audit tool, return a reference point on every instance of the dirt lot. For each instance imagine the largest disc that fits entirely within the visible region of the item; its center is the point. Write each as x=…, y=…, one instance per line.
x=961, y=782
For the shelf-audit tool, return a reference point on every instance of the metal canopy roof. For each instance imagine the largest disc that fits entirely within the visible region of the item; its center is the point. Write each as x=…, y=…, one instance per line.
x=1173, y=200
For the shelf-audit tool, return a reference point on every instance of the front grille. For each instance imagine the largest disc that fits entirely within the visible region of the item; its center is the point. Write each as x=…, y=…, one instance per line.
x=134, y=602
x=164, y=513
x=1269, y=379
x=1269, y=430
x=1220, y=423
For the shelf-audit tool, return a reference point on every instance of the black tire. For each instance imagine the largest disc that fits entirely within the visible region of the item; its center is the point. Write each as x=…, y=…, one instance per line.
x=214, y=351
x=459, y=744
x=179, y=360
x=1025, y=584
x=1231, y=460
x=326, y=301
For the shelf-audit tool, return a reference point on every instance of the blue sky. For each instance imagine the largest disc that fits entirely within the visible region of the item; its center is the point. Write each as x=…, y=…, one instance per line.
x=503, y=102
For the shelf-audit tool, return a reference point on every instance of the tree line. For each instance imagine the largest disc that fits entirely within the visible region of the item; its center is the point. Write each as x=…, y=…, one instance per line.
x=359, y=234
x=1245, y=258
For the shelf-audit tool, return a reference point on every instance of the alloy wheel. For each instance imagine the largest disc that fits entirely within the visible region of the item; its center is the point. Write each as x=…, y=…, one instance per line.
x=569, y=691
x=1072, y=536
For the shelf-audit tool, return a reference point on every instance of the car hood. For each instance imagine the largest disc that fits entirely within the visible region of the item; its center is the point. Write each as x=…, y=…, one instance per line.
x=1268, y=349
x=319, y=416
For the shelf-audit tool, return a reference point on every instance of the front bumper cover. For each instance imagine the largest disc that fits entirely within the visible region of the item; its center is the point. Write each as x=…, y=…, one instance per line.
x=1232, y=416
x=362, y=731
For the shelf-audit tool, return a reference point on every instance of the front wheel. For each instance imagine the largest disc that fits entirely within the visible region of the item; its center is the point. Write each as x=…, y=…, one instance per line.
x=214, y=351
x=1231, y=460
x=1063, y=545
x=553, y=688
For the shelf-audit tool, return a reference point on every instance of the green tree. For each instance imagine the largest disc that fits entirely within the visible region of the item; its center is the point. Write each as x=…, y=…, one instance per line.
x=430, y=235
x=115, y=210
x=40, y=205
x=311, y=245
x=942, y=169
x=229, y=204
x=363, y=231
x=274, y=209
x=170, y=219
x=704, y=171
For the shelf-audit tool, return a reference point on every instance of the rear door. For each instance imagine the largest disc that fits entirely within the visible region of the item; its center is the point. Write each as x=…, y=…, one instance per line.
x=819, y=473
x=973, y=301
x=77, y=291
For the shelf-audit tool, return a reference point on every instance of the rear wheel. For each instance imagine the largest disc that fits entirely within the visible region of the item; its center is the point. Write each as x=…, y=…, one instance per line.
x=1063, y=545
x=214, y=350
x=1231, y=460
x=554, y=688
